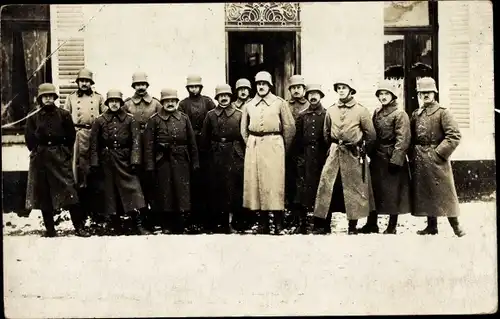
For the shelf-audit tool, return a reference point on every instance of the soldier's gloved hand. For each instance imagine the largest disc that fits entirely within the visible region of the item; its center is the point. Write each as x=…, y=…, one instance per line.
x=394, y=169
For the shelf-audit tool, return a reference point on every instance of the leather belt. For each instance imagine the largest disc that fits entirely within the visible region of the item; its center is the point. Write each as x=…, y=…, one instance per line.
x=263, y=133
x=51, y=143
x=223, y=140
x=341, y=142
x=116, y=146
x=87, y=126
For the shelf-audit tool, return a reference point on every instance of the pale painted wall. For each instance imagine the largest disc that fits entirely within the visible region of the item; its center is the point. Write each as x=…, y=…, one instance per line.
x=167, y=41
x=335, y=45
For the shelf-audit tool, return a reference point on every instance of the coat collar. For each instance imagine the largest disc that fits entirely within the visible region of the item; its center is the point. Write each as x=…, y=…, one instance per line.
x=120, y=114
x=387, y=110
x=318, y=110
x=81, y=93
x=238, y=103
x=229, y=110
x=349, y=104
x=137, y=98
x=268, y=99
x=165, y=115
x=302, y=101
x=430, y=109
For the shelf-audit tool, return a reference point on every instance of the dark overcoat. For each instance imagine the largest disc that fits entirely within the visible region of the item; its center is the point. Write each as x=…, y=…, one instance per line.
x=50, y=135
x=435, y=136
x=391, y=190
x=114, y=148
x=171, y=153
x=222, y=141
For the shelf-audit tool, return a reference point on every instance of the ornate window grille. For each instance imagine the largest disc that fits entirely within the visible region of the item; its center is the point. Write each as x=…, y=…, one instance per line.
x=262, y=15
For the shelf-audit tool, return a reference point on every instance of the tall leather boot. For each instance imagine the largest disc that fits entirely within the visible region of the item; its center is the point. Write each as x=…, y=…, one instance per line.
x=178, y=222
x=391, y=227
x=319, y=226
x=352, y=230
x=264, y=223
x=48, y=220
x=457, y=229
x=371, y=225
x=77, y=218
x=278, y=218
x=431, y=228
x=301, y=221
x=138, y=223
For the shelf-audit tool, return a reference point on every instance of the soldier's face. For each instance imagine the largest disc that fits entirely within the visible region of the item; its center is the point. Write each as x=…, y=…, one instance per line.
x=114, y=104
x=262, y=88
x=427, y=97
x=297, y=91
x=314, y=97
x=47, y=99
x=224, y=99
x=84, y=84
x=243, y=93
x=194, y=89
x=385, y=97
x=140, y=88
x=170, y=105
x=343, y=91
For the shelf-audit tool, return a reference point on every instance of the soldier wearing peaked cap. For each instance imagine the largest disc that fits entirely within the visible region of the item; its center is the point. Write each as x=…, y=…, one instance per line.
x=142, y=106
x=196, y=107
x=268, y=128
x=222, y=141
x=388, y=166
x=345, y=183
x=434, y=137
x=50, y=135
x=85, y=105
x=115, y=149
x=171, y=159
x=243, y=89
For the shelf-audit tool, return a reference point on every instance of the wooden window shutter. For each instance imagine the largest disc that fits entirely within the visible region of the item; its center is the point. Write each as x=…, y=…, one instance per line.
x=66, y=21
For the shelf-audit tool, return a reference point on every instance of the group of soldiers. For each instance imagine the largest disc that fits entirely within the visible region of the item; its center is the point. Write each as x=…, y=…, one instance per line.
x=195, y=166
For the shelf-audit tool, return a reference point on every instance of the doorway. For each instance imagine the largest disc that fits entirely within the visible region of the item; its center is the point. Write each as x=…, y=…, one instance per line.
x=252, y=51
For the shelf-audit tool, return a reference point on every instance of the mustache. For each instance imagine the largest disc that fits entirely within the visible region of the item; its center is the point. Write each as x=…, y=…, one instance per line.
x=314, y=100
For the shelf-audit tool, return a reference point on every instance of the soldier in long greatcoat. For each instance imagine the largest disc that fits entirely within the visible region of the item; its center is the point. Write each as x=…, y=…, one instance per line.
x=115, y=149
x=171, y=157
x=222, y=140
x=268, y=128
x=435, y=136
x=309, y=151
x=50, y=135
x=196, y=107
x=345, y=184
x=85, y=105
x=389, y=166
x=142, y=106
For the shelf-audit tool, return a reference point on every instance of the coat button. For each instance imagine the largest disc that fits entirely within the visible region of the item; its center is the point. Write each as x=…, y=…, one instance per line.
x=78, y=101
x=91, y=101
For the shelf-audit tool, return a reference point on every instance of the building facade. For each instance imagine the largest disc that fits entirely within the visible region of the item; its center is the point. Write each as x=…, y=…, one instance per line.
x=366, y=41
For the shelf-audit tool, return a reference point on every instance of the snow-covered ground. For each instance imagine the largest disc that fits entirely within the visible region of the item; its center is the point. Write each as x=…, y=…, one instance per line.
x=224, y=275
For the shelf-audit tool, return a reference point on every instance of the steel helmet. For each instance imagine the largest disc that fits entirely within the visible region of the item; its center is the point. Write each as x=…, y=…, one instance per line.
x=348, y=82
x=426, y=84
x=168, y=94
x=114, y=94
x=315, y=87
x=193, y=80
x=297, y=80
x=264, y=76
x=222, y=88
x=85, y=74
x=139, y=77
x=47, y=88
x=388, y=86
x=243, y=83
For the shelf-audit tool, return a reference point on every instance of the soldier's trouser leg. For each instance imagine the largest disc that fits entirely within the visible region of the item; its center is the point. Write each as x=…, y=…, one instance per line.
x=138, y=220
x=263, y=222
x=371, y=225
x=278, y=219
x=431, y=228
x=178, y=222
x=391, y=227
x=352, y=227
x=457, y=229
x=48, y=220
x=78, y=220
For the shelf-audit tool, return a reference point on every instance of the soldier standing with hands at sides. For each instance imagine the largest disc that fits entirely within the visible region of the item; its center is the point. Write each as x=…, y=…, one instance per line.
x=171, y=156
x=85, y=105
x=142, y=106
x=388, y=166
x=222, y=140
x=268, y=128
x=50, y=135
x=310, y=153
x=435, y=136
x=115, y=148
x=243, y=88
x=196, y=107
x=345, y=183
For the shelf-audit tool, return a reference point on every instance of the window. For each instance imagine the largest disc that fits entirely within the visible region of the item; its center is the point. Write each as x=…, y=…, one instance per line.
x=25, y=46
x=410, y=46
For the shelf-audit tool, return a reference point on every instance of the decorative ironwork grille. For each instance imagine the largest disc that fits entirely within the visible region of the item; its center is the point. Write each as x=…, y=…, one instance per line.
x=276, y=15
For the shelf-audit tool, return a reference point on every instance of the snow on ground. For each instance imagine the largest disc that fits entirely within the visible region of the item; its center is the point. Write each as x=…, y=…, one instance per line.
x=224, y=275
